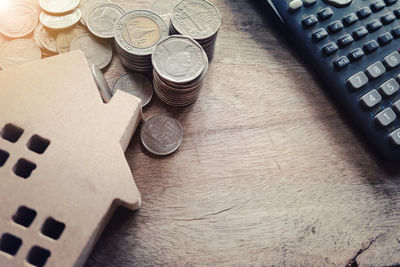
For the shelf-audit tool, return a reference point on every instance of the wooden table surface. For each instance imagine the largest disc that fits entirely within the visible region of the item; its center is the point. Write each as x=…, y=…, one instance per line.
x=271, y=171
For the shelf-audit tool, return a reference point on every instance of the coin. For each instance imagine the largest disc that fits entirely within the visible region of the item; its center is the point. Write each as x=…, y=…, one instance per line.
x=101, y=19
x=45, y=39
x=58, y=6
x=85, y=6
x=64, y=38
x=178, y=59
x=135, y=84
x=18, y=20
x=161, y=135
x=18, y=52
x=60, y=22
x=198, y=19
x=136, y=34
x=97, y=51
x=101, y=83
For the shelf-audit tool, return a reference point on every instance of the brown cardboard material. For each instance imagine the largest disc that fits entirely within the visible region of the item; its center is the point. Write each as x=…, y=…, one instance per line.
x=80, y=177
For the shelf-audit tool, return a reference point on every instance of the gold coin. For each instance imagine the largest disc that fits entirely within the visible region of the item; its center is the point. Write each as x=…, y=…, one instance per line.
x=141, y=32
x=64, y=38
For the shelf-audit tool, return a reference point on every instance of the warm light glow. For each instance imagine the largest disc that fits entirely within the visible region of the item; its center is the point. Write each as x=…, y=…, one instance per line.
x=4, y=4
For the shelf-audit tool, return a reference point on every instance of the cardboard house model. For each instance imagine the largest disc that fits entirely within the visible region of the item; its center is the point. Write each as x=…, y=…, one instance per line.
x=62, y=165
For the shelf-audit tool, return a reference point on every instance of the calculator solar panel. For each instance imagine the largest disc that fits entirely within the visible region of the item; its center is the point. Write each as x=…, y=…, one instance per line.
x=354, y=46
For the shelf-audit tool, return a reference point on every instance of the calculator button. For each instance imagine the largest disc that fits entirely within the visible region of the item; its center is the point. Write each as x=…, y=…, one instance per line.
x=375, y=70
x=338, y=3
x=357, y=81
x=393, y=60
x=295, y=5
x=377, y=6
x=374, y=25
x=388, y=18
x=341, y=63
x=371, y=99
x=356, y=54
x=364, y=12
x=396, y=106
x=390, y=2
x=350, y=19
x=325, y=13
x=345, y=40
x=330, y=48
x=385, y=38
x=395, y=137
x=309, y=21
x=371, y=46
x=386, y=117
x=389, y=88
x=396, y=32
x=335, y=27
x=397, y=13
x=360, y=33
x=309, y=2
x=319, y=34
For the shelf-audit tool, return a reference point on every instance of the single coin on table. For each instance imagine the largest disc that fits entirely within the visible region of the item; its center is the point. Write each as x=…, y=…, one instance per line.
x=18, y=52
x=58, y=6
x=101, y=83
x=60, y=22
x=85, y=6
x=101, y=19
x=46, y=39
x=18, y=20
x=135, y=84
x=64, y=38
x=97, y=51
x=161, y=135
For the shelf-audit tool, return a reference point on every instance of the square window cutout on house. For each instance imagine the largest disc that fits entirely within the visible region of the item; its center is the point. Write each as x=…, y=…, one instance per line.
x=11, y=133
x=38, y=144
x=4, y=155
x=24, y=216
x=24, y=168
x=38, y=256
x=52, y=228
x=10, y=244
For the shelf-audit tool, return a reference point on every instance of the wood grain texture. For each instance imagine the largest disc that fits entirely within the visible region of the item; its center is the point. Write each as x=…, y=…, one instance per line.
x=271, y=171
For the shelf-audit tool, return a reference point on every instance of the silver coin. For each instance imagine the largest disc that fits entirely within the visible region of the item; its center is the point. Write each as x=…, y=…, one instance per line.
x=163, y=8
x=85, y=6
x=18, y=20
x=60, y=22
x=18, y=52
x=97, y=51
x=198, y=19
x=161, y=135
x=135, y=84
x=101, y=83
x=101, y=19
x=137, y=32
x=58, y=6
x=178, y=59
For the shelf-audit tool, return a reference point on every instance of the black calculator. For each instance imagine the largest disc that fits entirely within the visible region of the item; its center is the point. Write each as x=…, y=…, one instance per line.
x=354, y=46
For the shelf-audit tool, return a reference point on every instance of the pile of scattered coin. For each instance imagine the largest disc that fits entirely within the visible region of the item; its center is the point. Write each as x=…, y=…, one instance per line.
x=180, y=65
x=32, y=29
x=136, y=34
x=198, y=19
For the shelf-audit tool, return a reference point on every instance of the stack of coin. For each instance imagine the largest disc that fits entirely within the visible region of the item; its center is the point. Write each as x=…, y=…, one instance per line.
x=136, y=34
x=180, y=65
x=59, y=16
x=198, y=19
